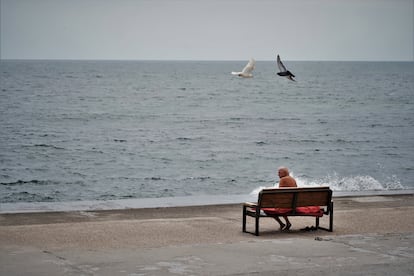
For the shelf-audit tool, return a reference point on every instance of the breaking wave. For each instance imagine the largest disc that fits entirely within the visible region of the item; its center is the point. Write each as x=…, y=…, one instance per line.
x=348, y=183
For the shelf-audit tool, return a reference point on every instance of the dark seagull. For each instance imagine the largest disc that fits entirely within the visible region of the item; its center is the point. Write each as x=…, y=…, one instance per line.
x=283, y=71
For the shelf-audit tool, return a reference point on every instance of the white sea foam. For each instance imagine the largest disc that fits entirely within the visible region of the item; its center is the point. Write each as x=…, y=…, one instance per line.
x=349, y=183
x=354, y=183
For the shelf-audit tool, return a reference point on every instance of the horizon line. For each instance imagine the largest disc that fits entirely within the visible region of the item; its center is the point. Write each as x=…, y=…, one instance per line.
x=199, y=60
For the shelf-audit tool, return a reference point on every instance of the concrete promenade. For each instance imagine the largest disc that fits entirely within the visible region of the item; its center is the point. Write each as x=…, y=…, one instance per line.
x=373, y=235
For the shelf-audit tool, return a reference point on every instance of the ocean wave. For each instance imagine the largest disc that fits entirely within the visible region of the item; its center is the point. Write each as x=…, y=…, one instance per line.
x=268, y=119
x=24, y=196
x=355, y=183
x=44, y=146
x=120, y=140
x=154, y=178
x=184, y=139
x=200, y=178
x=30, y=182
x=260, y=143
x=36, y=182
x=348, y=183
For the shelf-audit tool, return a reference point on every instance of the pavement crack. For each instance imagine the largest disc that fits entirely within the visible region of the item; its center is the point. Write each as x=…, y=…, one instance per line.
x=369, y=245
x=68, y=266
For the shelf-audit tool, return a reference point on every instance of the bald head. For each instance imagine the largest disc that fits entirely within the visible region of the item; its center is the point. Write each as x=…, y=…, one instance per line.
x=283, y=171
x=285, y=179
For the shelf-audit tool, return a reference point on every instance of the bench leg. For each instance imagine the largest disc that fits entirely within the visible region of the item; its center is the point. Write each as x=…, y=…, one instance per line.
x=330, y=228
x=331, y=218
x=256, y=232
x=244, y=219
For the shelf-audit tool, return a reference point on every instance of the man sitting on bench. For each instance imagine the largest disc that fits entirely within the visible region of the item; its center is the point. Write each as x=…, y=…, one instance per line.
x=285, y=181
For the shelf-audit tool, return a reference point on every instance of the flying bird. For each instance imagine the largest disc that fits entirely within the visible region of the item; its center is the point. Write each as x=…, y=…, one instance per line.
x=283, y=71
x=247, y=70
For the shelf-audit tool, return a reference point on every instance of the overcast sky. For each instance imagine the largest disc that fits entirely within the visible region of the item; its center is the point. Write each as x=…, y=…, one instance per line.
x=207, y=29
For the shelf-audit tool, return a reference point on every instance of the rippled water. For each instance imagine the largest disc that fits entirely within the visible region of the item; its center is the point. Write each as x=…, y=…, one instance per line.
x=97, y=130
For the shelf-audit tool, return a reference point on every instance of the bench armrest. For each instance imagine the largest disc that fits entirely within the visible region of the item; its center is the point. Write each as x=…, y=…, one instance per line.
x=250, y=204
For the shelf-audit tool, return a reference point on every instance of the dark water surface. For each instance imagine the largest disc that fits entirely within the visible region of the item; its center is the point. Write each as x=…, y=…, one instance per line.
x=99, y=130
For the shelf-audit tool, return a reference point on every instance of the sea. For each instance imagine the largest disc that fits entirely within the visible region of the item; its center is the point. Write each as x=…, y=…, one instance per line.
x=73, y=131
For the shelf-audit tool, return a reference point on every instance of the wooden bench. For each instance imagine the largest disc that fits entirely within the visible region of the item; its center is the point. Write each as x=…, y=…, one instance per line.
x=287, y=201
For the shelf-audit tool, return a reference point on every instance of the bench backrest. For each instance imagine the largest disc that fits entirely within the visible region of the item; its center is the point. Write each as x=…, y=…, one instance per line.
x=294, y=197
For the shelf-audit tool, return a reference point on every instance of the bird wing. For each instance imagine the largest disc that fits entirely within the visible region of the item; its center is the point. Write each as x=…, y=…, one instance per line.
x=282, y=67
x=249, y=67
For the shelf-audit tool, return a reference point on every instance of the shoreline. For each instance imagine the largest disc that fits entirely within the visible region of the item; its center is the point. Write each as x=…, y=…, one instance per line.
x=163, y=202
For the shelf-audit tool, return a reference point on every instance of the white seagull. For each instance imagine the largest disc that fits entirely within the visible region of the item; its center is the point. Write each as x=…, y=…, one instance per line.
x=247, y=70
x=283, y=71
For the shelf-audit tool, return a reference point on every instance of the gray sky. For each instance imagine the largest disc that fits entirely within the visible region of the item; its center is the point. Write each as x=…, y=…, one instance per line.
x=208, y=30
